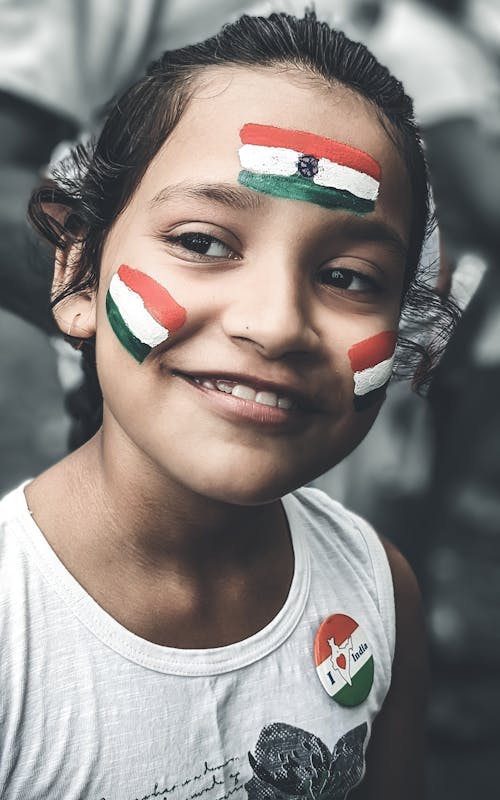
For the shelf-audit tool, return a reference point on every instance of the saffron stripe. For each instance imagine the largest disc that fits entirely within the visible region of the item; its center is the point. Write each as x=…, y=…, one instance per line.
x=136, y=348
x=344, y=627
x=311, y=144
x=160, y=304
x=297, y=188
x=372, y=351
x=134, y=314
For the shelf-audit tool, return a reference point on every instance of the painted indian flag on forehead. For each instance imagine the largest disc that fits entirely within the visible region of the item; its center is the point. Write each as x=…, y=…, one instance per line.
x=372, y=361
x=303, y=166
x=141, y=311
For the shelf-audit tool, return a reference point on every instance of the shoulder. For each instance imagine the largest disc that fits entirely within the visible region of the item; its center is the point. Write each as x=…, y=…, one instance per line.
x=12, y=506
x=13, y=521
x=341, y=531
x=395, y=753
x=406, y=590
x=410, y=657
x=337, y=528
x=345, y=545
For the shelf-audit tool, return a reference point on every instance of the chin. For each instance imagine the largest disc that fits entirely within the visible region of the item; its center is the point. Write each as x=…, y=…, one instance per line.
x=241, y=492
x=253, y=488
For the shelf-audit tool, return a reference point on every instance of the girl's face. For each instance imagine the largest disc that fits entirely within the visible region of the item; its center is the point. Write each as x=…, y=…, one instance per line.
x=267, y=285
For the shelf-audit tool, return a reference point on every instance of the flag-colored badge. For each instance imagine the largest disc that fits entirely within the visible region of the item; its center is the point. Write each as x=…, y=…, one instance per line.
x=372, y=361
x=303, y=166
x=141, y=311
x=344, y=660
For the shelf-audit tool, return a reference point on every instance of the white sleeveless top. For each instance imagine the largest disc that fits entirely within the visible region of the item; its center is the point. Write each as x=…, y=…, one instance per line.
x=90, y=710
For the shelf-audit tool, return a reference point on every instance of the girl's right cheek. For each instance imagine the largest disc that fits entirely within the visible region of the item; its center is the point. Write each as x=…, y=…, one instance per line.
x=371, y=362
x=141, y=311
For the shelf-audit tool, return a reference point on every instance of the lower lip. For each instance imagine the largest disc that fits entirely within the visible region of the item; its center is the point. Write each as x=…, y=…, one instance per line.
x=235, y=408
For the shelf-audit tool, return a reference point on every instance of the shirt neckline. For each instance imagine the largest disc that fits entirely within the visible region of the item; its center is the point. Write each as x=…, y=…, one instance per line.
x=172, y=660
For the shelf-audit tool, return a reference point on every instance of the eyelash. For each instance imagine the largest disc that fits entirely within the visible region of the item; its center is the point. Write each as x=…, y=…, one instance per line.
x=328, y=277
x=344, y=274
x=183, y=241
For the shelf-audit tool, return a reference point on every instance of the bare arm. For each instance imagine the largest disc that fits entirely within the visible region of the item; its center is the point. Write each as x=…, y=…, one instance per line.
x=394, y=768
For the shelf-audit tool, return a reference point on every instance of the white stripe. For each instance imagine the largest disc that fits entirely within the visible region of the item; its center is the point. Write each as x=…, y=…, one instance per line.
x=283, y=161
x=269, y=160
x=326, y=666
x=136, y=317
x=339, y=177
x=373, y=377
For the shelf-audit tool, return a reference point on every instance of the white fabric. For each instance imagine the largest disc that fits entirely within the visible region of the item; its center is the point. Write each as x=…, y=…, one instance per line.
x=444, y=72
x=90, y=710
x=72, y=56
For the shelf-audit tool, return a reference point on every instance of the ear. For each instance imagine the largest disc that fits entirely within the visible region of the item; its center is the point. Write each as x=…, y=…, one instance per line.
x=75, y=314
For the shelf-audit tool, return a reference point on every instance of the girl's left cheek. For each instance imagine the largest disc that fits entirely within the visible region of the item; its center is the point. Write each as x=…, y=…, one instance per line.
x=141, y=312
x=371, y=362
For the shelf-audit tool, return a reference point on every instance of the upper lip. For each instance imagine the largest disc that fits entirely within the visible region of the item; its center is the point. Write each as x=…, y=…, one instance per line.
x=304, y=398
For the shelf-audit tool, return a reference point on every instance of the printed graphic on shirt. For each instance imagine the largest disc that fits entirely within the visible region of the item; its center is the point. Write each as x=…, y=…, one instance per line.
x=344, y=660
x=298, y=165
x=211, y=781
x=292, y=763
x=289, y=764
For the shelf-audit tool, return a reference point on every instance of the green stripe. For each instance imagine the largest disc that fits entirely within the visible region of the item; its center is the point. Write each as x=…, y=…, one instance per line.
x=135, y=347
x=294, y=187
x=364, y=401
x=361, y=684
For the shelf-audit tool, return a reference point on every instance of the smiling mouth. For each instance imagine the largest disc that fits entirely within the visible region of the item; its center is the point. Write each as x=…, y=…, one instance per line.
x=243, y=391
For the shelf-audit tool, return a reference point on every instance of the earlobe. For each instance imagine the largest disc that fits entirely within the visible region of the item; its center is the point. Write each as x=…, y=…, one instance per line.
x=75, y=313
x=75, y=316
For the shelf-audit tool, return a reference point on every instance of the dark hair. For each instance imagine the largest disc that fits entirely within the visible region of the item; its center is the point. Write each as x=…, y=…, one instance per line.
x=97, y=182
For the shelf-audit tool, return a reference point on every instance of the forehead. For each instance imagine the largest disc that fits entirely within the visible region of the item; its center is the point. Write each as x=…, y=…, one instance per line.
x=204, y=145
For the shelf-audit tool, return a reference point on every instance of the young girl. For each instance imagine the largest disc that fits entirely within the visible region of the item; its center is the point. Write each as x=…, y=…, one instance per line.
x=178, y=619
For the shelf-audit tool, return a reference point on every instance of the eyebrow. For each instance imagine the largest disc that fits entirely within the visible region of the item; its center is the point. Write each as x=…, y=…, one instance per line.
x=225, y=194
x=367, y=229
x=357, y=226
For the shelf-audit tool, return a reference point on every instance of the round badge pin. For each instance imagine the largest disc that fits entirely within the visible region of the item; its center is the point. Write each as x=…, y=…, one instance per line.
x=344, y=660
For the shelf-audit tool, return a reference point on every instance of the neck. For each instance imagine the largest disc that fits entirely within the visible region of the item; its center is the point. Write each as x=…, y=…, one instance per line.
x=153, y=520
x=163, y=561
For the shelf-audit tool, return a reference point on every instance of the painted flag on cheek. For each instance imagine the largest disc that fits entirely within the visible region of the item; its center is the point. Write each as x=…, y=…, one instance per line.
x=371, y=362
x=141, y=311
x=303, y=166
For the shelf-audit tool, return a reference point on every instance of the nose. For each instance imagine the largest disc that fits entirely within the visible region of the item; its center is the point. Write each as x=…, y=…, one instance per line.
x=270, y=310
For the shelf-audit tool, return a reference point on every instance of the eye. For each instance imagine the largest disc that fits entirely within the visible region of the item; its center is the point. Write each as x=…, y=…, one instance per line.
x=202, y=244
x=348, y=280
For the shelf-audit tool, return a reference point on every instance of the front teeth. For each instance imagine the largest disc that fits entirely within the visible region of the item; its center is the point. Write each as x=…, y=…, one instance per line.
x=267, y=398
x=244, y=392
x=247, y=393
